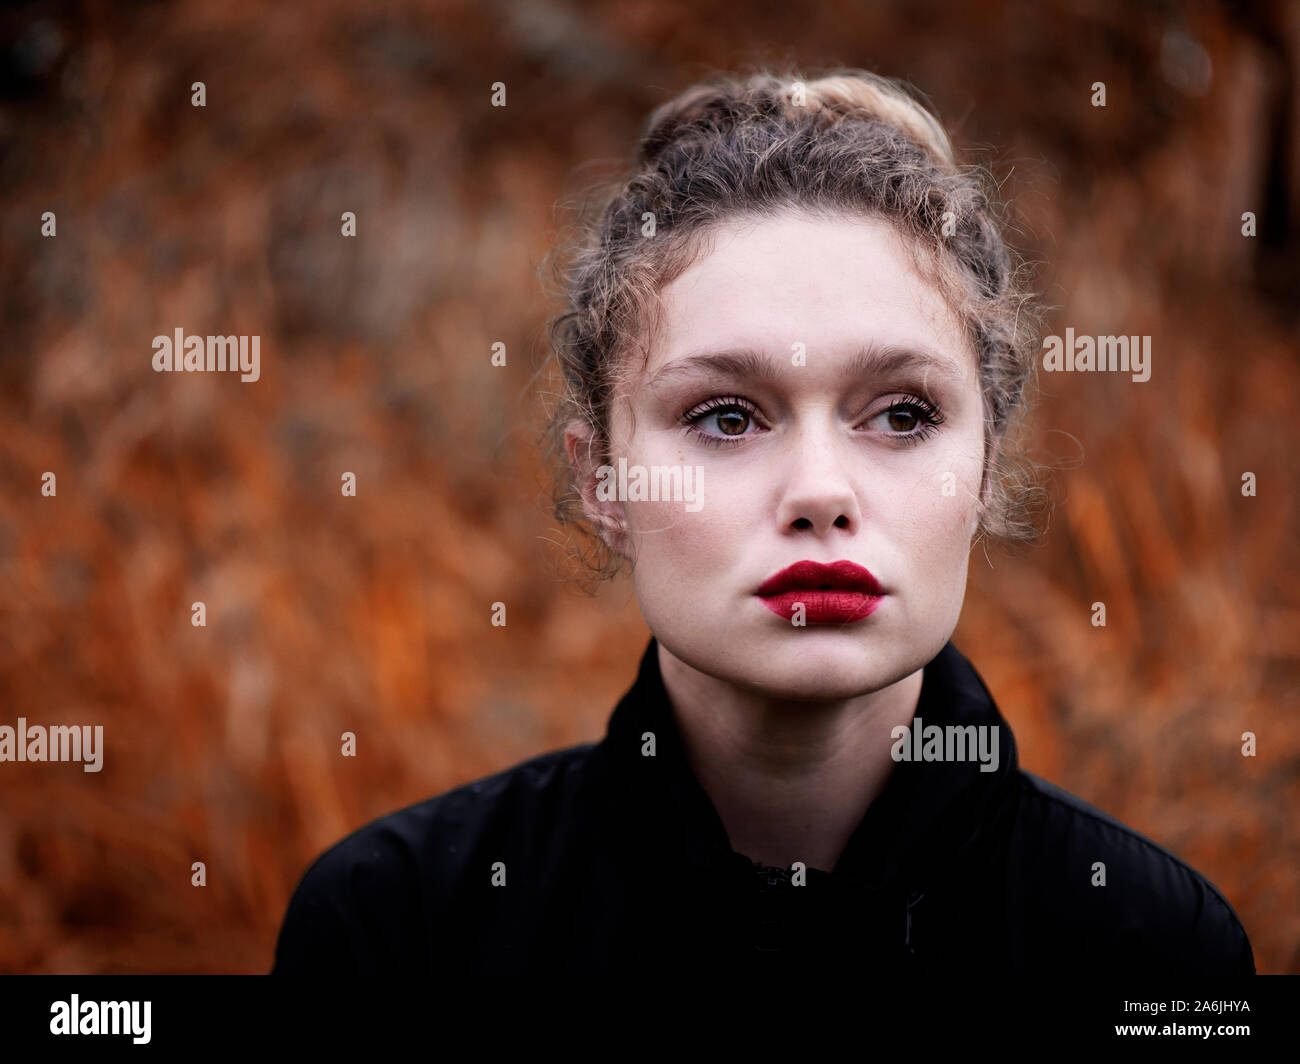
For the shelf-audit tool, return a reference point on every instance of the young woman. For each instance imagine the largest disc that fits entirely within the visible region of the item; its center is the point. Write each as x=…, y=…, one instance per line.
x=794, y=351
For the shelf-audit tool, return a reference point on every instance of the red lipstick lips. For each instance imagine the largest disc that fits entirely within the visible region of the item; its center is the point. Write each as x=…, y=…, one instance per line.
x=830, y=594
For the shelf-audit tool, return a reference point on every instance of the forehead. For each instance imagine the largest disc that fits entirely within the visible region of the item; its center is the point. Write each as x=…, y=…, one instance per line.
x=834, y=283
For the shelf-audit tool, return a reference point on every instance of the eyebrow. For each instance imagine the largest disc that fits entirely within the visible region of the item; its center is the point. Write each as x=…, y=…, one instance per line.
x=745, y=363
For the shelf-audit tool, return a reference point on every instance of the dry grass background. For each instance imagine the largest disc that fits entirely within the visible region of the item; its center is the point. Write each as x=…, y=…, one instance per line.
x=371, y=614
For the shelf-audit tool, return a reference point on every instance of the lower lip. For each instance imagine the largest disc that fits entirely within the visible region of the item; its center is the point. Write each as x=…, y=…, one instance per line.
x=823, y=607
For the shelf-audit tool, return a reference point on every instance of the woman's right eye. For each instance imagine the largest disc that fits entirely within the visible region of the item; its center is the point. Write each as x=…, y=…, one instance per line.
x=724, y=419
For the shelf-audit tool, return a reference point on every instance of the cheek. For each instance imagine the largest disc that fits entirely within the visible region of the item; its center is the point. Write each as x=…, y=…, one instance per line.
x=677, y=542
x=677, y=557
x=679, y=552
x=675, y=545
x=940, y=515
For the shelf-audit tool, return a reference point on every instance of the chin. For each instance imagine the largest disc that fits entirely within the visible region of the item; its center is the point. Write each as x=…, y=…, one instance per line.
x=818, y=665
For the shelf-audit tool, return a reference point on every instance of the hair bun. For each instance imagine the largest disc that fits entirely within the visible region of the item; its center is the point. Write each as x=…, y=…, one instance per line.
x=706, y=107
x=726, y=101
x=862, y=94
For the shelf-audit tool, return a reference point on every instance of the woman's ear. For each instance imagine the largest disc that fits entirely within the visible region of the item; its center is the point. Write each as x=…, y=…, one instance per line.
x=606, y=515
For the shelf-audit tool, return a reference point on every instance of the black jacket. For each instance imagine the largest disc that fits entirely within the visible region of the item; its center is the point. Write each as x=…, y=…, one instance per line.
x=597, y=858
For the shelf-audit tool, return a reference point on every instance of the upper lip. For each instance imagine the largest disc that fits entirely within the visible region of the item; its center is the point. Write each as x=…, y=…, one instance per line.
x=814, y=576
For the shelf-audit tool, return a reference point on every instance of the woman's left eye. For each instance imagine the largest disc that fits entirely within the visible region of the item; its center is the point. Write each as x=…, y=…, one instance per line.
x=911, y=419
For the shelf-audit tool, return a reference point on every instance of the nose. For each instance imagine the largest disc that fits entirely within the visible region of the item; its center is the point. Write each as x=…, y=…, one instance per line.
x=818, y=487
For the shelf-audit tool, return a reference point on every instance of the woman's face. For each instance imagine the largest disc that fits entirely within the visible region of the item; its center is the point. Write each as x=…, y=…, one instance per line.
x=828, y=455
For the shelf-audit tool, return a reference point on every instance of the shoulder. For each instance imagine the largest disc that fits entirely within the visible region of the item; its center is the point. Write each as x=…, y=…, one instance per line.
x=452, y=823
x=450, y=826
x=372, y=889
x=1126, y=893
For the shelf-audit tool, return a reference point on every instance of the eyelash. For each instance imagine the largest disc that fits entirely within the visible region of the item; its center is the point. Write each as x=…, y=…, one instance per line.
x=928, y=415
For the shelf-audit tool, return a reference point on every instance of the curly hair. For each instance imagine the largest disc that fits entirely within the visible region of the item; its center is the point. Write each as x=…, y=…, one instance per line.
x=758, y=144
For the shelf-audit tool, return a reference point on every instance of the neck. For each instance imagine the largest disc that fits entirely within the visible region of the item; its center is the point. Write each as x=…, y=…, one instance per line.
x=790, y=780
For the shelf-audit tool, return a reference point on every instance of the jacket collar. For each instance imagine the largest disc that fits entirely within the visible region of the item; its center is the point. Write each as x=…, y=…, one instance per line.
x=929, y=818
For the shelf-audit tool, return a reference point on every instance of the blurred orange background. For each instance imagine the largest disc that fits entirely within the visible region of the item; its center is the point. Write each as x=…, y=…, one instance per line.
x=371, y=614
